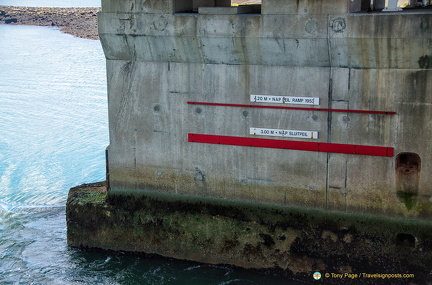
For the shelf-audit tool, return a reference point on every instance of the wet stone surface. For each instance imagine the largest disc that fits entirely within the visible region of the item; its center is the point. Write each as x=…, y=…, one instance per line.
x=287, y=241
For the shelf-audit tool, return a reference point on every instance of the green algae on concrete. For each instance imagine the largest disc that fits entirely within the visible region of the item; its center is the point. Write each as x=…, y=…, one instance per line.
x=88, y=193
x=292, y=241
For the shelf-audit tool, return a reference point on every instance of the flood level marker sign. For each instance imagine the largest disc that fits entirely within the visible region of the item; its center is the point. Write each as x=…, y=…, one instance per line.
x=284, y=99
x=284, y=133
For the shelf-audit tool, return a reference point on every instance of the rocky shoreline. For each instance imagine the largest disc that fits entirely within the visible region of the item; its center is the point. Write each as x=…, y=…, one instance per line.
x=80, y=22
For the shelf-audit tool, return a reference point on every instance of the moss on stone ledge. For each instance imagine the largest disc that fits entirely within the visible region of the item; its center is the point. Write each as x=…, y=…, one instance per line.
x=88, y=193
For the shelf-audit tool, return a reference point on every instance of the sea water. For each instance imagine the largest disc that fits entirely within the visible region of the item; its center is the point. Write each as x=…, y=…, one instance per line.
x=53, y=134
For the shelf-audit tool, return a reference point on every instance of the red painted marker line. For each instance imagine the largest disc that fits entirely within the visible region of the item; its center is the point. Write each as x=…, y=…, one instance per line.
x=293, y=108
x=294, y=145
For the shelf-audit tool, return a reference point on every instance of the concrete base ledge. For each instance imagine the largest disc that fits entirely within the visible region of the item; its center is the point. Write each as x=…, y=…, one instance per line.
x=293, y=241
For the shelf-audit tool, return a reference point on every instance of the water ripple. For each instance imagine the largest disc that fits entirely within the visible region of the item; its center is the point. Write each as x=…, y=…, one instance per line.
x=53, y=117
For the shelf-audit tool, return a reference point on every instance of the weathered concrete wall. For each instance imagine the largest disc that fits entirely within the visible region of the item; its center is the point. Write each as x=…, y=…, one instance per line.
x=296, y=211
x=158, y=60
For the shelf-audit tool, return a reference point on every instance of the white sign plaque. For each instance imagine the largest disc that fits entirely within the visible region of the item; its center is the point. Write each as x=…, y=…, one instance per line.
x=284, y=99
x=284, y=133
